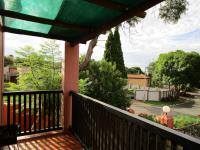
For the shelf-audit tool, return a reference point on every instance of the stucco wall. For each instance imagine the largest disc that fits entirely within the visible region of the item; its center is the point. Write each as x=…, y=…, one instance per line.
x=139, y=82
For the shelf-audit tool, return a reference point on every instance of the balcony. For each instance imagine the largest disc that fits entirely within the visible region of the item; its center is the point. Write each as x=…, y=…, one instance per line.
x=79, y=119
x=95, y=125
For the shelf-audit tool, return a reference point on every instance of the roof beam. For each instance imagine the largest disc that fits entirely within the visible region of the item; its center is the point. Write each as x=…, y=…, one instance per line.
x=114, y=6
x=125, y=16
x=21, y=16
x=141, y=14
x=32, y=33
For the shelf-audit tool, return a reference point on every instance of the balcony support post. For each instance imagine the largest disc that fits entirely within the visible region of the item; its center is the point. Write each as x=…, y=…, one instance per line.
x=70, y=81
x=1, y=72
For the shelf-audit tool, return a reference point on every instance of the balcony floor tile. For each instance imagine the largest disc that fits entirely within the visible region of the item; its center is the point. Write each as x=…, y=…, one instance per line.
x=58, y=141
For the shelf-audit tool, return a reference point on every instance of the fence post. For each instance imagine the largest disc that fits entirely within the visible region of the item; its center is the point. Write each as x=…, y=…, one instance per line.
x=159, y=95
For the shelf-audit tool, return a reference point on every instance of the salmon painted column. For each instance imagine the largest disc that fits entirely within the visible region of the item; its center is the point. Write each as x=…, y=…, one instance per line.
x=70, y=81
x=1, y=73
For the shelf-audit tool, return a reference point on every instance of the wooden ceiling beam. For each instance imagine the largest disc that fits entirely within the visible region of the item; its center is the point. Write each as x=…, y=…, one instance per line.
x=125, y=16
x=21, y=16
x=141, y=14
x=32, y=33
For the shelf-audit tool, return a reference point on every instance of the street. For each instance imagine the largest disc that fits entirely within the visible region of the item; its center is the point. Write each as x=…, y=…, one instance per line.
x=191, y=107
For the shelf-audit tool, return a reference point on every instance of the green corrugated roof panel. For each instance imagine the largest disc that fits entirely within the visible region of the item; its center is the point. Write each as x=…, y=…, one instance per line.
x=40, y=8
x=26, y=25
x=77, y=12
x=85, y=13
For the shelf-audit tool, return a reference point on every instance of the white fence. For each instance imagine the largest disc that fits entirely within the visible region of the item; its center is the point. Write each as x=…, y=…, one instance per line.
x=153, y=95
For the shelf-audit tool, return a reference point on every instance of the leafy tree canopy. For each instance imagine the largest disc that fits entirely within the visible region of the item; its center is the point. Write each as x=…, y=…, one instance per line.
x=9, y=60
x=134, y=70
x=39, y=70
x=180, y=69
x=172, y=10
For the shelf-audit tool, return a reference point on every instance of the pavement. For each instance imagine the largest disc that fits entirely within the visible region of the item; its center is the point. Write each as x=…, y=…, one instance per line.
x=190, y=107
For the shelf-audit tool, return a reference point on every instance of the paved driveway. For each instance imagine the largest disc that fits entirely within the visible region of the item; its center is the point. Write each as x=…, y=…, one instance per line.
x=192, y=107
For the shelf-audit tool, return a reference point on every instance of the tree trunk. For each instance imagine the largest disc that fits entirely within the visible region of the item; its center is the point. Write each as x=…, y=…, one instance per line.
x=87, y=58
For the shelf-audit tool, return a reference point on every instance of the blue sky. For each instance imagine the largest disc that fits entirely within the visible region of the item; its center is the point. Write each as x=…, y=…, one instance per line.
x=189, y=36
x=142, y=44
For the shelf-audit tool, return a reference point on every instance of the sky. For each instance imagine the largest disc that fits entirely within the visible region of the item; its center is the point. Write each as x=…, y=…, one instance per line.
x=143, y=44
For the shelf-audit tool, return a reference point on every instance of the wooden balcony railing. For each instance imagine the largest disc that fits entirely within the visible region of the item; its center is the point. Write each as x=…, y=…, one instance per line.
x=34, y=111
x=100, y=126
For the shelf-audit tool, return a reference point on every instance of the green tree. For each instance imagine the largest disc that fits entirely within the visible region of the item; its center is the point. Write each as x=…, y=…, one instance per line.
x=9, y=60
x=39, y=70
x=193, y=58
x=109, y=47
x=177, y=69
x=113, y=52
x=150, y=71
x=104, y=83
x=134, y=70
x=172, y=10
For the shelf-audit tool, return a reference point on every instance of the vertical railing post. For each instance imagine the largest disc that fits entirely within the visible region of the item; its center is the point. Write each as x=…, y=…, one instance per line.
x=1, y=71
x=70, y=81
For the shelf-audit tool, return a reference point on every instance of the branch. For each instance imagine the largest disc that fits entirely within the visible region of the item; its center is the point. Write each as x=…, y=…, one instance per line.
x=87, y=58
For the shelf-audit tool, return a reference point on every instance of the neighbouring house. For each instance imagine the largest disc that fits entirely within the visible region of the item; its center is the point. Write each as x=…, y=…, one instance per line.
x=138, y=80
x=10, y=74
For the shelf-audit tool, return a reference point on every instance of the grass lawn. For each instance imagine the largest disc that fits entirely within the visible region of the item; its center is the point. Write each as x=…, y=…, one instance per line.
x=163, y=103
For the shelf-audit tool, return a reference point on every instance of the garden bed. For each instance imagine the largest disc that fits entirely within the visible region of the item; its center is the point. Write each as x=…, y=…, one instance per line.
x=184, y=123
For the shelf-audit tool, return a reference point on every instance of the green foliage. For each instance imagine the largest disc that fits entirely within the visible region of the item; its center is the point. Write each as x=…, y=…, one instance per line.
x=83, y=74
x=105, y=83
x=181, y=121
x=82, y=87
x=113, y=52
x=134, y=70
x=177, y=69
x=172, y=10
x=109, y=47
x=148, y=117
x=151, y=68
x=150, y=71
x=131, y=91
x=38, y=70
x=9, y=60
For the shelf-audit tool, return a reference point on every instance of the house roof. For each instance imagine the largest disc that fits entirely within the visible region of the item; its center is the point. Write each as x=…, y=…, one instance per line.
x=75, y=21
x=138, y=76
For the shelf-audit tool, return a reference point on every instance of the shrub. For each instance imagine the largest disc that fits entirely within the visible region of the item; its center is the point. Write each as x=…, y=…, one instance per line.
x=106, y=84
